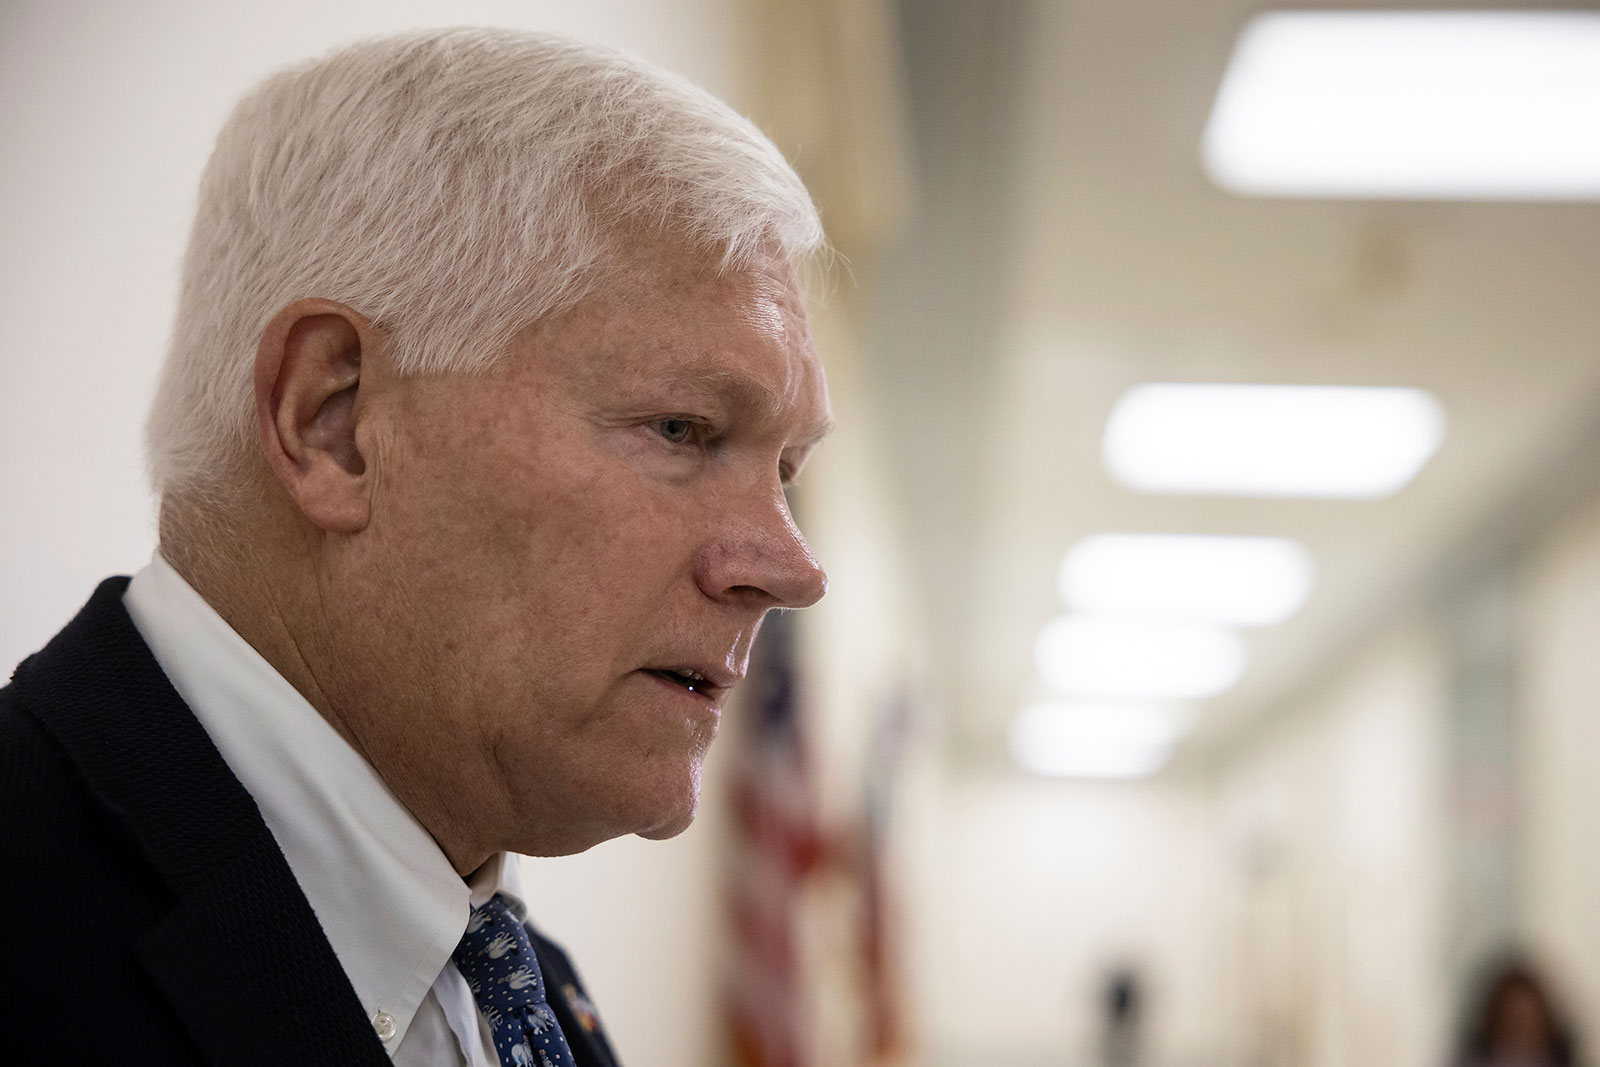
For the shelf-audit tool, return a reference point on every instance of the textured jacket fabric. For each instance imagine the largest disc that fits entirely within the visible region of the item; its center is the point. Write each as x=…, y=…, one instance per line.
x=147, y=915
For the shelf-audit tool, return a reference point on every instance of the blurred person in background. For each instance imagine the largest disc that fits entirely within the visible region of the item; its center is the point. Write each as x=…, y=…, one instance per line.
x=489, y=372
x=1122, y=1041
x=1515, y=1023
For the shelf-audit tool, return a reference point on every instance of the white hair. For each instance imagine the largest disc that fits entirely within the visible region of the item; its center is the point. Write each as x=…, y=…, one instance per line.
x=452, y=186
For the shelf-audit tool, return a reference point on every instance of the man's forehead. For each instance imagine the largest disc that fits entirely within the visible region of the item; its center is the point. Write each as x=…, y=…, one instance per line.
x=741, y=336
x=681, y=296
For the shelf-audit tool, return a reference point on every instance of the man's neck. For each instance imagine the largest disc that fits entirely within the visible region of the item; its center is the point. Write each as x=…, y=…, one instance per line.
x=260, y=599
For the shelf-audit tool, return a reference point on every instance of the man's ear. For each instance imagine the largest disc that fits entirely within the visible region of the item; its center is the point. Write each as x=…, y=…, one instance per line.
x=307, y=384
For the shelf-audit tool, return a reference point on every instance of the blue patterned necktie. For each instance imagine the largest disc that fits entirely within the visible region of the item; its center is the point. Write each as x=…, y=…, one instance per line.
x=496, y=958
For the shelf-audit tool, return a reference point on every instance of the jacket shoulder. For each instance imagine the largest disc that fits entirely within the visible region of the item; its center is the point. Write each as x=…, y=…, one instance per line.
x=133, y=862
x=48, y=814
x=64, y=853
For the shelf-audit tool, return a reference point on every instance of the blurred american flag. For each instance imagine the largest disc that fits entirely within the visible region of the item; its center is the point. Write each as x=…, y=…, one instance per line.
x=776, y=845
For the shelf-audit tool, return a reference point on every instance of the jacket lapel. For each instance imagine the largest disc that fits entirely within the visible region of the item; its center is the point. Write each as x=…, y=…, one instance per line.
x=241, y=958
x=574, y=1012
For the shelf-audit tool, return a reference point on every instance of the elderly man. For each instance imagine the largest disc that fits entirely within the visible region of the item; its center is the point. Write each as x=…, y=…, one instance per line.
x=489, y=371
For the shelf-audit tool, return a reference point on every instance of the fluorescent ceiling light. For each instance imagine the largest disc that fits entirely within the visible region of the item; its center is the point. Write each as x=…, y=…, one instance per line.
x=1271, y=440
x=1238, y=581
x=1094, y=656
x=1097, y=740
x=1411, y=104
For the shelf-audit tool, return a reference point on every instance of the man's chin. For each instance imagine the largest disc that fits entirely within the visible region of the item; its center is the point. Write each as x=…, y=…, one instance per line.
x=672, y=827
x=665, y=832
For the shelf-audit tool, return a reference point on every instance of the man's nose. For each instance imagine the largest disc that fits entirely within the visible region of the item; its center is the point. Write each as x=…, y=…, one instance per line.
x=760, y=558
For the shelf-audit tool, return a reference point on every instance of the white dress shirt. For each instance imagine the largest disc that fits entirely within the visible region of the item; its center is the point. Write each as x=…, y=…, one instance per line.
x=388, y=899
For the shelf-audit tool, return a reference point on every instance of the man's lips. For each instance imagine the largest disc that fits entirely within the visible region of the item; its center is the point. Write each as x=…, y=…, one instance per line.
x=710, y=681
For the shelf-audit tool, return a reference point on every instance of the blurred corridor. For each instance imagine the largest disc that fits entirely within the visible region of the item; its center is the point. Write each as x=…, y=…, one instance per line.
x=972, y=810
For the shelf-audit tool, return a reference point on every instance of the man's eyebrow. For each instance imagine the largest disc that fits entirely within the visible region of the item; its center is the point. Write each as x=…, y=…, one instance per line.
x=746, y=391
x=817, y=433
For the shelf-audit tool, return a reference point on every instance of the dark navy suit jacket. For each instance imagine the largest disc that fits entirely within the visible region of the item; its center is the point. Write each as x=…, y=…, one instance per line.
x=147, y=915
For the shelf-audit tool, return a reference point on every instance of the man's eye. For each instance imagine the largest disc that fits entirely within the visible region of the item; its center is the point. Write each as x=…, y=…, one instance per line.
x=678, y=431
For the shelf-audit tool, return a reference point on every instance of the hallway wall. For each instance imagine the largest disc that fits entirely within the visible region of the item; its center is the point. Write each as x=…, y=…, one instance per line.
x=1558, y=803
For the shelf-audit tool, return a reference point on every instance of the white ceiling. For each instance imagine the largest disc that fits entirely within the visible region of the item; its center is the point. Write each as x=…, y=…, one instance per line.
x=1068, y=246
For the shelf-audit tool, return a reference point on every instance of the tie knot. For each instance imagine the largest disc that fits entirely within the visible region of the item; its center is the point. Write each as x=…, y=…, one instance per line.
x=495, y=955
x=496, y=958
x=492, y=923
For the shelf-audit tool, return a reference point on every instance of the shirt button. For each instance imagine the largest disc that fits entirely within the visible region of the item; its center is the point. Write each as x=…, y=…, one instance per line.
x=383, y=1023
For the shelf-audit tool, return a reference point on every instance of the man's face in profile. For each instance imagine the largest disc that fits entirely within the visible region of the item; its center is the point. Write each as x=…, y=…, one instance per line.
x=569, y=557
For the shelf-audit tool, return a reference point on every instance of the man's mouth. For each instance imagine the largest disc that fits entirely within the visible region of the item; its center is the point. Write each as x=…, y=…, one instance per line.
x=692, y=680
x=708, y=678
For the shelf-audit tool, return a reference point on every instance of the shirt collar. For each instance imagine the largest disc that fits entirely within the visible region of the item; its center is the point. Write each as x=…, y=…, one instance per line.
x=387, y=897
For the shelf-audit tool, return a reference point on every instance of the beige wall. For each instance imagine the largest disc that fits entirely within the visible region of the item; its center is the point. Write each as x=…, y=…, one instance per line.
x=1559, y=732
x=1300, y=910
x=1334, y=829
x=1037, y=888
x=1335, y=826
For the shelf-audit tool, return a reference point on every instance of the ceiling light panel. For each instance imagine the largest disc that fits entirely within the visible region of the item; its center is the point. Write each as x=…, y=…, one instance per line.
x=1237, y=581
x=1081, y=740
x=1096, y=656
x=1271, y=440
x=1411, y=104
